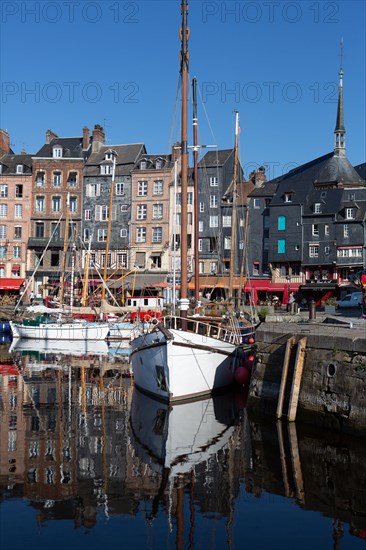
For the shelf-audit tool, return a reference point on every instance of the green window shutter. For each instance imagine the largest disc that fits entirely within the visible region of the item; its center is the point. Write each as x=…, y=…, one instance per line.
x=281, y=223
x=281, y=246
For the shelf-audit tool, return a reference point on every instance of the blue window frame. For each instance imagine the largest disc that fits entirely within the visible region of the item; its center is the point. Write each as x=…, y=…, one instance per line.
x=281, y=246
x=281, y=223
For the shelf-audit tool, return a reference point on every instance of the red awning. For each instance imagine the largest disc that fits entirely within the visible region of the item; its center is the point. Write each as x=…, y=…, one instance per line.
x=11, y=284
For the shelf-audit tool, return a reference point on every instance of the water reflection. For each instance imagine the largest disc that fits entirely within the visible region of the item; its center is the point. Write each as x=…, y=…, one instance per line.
x=79, y=443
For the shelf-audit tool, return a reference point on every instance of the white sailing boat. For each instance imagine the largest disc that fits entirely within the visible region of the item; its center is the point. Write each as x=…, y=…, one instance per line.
x=180, y=357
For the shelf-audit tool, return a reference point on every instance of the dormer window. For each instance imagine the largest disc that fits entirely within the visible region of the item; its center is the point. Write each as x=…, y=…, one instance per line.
x=143, y=165
x=108, y=156
x=158, y=164
x=350, y=213
x=317, y=208
x=57, y=152
x=19, y=168
x=288, y=197
x=106, y=169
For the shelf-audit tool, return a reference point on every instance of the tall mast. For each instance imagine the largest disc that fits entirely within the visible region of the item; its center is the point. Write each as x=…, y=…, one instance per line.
x=66, y=239
x=184, y=56
x=195, y=179
x=114, y=155
x=234, y=204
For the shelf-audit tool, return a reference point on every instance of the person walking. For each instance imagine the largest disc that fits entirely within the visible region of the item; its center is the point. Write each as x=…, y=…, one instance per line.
x=31, y=297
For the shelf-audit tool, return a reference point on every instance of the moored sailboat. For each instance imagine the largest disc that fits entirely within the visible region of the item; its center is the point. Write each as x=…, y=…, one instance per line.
x=184, y=357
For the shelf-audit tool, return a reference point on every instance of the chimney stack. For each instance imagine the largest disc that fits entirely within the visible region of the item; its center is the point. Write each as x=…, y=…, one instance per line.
x=23, y=152
x=4, y=142
x=98, y=138
x=86, y=137
x=258, y=177
x=176, y=151
x=50, y=136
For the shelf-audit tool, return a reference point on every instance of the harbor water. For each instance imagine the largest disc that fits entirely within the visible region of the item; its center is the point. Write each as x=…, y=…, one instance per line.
x=89, y=462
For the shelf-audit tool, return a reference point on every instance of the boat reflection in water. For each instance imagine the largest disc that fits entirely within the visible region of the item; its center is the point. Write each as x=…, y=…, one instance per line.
x=75, y=348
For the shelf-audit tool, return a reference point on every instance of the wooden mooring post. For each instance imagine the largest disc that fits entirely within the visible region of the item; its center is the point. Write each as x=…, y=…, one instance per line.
x=296, y=379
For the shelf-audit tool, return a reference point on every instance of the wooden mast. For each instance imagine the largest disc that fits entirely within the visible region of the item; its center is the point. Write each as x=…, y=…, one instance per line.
x=184, y=57
x=233, y=214
x=195, y=179
x=66, y=240
x=111, y=192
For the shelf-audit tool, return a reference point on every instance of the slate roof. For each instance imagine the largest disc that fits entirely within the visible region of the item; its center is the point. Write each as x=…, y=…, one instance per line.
x=361, y=170
x=9, y=164
x=268, y=189
x=72, y=147
x=127, y=156
x=216, y=158
x=151, y=160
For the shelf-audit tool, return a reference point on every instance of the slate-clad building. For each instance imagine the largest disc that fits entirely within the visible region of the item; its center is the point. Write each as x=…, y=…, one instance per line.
x=96, y=202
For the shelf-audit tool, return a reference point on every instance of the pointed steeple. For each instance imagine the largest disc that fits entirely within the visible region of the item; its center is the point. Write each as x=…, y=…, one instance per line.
x=340, y=132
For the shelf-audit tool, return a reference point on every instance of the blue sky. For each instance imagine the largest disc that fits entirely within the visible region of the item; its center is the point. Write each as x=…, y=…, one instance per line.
x=67, y=64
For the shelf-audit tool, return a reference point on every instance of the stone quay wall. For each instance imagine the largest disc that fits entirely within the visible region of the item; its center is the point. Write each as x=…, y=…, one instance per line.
x=333, y=382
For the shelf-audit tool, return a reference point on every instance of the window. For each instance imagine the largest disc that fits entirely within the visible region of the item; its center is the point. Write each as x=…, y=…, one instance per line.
x=189, y=218
x=177, y=219
x=349, y=252
x=2, y=232
x=40, y=179
x=227, y=243
x=141, y=211
x=157, y=211
x=313, y=250
x=40, y=204
x=200, y=249
x=214, y=202
x=326, y=230
x=123, y=233
x=317, y=208
x=178, y=199
x=108, y=261
x=122, y=259
x=202, y=206
x=57, y=152
x=142, y=189
x=350, y=213
x=120, y=188
x=2, y=252
x=288, y=197
x=86, y=234
x=4, y=189
x=55, y=230
x=157, y=235
x=106, y=169
x=226, y=221
x=56, y=179
x=141, y=234
x=214, y=221
x=55, y=259
x=124, y=207
x=143, y=165
x=281, y=223
x=73, y=204
x=189, y=197
x=101, y=213
x=213, y=268
x=345, y=231
x=256, y=203
x=281, y=246
x=3, y=210
x=18, y=211
x=102, y=235
x=87, y=215
x=17, y=252
x=200, y=226
x=56, y=204
x=2, y=271
x=326, y=250
x=19, y=191
x=158, y=187
x=72, y=179
x=93, y=190
x=158, y=164
x=214, y=181
x=39, y=230
x=20, y=168
x=255, y=268
x=315, y=230
x=18, y=232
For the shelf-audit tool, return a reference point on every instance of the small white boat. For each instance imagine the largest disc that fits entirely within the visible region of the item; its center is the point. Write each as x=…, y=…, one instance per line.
x=42, y=328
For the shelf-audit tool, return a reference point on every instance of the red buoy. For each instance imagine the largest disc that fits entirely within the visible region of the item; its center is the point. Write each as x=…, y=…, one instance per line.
x=241, y=375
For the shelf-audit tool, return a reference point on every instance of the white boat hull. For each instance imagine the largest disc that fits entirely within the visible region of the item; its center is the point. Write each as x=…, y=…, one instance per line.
x=185, y=366
x=61, y=331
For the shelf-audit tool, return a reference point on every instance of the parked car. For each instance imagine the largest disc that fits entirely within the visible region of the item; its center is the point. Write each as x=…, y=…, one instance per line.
x=350, y=300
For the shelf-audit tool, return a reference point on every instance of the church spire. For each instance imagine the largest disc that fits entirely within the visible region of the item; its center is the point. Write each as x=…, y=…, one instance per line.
x=340, y=132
